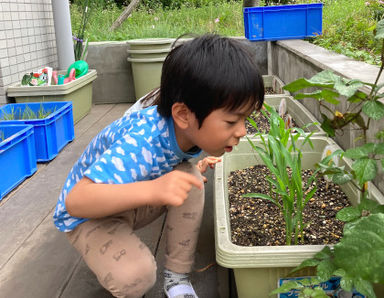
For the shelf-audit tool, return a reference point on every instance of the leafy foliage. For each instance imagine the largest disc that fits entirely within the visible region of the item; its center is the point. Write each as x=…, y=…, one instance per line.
x=359, y=256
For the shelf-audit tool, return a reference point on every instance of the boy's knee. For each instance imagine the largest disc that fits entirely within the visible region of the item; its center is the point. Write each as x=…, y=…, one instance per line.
x=133, y=281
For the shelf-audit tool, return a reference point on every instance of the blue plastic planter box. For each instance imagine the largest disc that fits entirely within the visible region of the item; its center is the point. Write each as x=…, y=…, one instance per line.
x=283, y=22
x=17, y=156
x=52, y=133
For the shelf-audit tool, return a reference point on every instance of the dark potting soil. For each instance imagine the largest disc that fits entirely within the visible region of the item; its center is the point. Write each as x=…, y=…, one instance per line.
x=269, y=90
x=258, y=222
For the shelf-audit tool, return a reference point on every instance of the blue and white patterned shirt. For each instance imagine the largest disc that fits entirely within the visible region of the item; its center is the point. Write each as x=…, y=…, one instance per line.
x=139, y=146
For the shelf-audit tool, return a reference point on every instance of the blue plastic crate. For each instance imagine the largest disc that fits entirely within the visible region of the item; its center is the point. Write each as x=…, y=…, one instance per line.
x=51, y=133
x=283, y=22
x=17, y=156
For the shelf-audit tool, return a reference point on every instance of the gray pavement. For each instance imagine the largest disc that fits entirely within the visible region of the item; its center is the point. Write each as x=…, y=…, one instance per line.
x=36, y=261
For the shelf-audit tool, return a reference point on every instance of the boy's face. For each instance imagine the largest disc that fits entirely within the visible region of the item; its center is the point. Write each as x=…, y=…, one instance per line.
x=220, y=131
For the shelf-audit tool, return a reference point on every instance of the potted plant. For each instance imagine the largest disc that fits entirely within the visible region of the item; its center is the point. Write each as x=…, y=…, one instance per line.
x=258, y=268
x=273, y=22
x=17, y=155
x=52, y=123
x=356, y=258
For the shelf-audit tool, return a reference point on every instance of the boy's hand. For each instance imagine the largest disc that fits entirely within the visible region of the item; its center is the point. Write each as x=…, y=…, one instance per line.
x=203, y=164
x=173, y=187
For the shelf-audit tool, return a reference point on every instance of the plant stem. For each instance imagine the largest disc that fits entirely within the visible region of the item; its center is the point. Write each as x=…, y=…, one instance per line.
x=381, y=68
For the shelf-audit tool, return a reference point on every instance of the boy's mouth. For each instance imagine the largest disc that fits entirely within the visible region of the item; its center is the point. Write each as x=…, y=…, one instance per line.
x=228, y=148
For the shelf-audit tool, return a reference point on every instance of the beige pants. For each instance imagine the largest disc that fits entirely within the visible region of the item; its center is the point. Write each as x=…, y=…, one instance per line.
x=123, y=264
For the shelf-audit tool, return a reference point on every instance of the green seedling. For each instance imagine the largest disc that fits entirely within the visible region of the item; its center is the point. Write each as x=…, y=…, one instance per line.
x=280, y=151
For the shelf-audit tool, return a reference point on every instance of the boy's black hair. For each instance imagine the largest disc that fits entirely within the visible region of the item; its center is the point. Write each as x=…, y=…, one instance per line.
x=208, y=73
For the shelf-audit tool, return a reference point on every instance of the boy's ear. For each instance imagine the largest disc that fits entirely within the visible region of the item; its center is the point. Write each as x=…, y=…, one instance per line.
x=181, y=114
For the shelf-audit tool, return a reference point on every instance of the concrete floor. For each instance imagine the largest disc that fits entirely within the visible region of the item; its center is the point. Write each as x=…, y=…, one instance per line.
x=36, y=261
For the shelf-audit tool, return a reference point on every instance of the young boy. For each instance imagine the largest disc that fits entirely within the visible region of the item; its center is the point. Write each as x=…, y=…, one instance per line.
x=137, y=167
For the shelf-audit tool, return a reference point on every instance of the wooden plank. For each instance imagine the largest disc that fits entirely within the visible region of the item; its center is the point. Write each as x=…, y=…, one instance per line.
x=25, y=210
x=41, y=266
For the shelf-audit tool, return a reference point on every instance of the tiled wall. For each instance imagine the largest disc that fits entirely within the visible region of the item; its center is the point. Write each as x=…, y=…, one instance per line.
x=27, y=40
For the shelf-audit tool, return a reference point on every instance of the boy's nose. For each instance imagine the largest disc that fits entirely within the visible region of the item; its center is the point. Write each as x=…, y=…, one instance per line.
x=241, y=131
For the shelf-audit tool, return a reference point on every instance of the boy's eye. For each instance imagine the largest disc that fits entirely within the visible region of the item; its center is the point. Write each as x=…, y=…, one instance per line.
x=231, y=122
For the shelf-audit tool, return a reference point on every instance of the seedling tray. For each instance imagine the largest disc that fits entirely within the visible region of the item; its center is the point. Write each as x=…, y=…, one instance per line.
x=283, y=22
x=17, y=156
x=51, y=133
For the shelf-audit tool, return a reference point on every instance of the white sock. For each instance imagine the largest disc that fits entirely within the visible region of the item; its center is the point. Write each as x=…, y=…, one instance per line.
x=177, y=285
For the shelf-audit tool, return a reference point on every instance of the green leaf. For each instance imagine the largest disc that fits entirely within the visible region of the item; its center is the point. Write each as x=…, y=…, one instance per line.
x=360, y=152
x=316, y=292
x=323, y=254
x=264, y=197
x=357, y=97
x=324, y=78
x=346, y=283
x=374, y=109
x=286, y=287
x=379, y=148
x=309, y=195
x=325, y=94
x=380, y=135
x=325, y=269
x=341, y=178
x=348, y=89
x=365, y=169
x=348, y=214
x=365, y=288
x=380, y=30
x=306, y=263
x=304, y=83
x=368, y=205
x=361, y=250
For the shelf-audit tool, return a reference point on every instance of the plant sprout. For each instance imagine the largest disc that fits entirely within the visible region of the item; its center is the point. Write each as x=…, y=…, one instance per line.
x=287, y=191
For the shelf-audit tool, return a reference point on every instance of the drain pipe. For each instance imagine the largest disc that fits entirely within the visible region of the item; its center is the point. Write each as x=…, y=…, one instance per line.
x=63, y=32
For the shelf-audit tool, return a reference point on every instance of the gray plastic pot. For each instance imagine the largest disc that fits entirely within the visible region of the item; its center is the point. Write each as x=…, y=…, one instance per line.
x=146, y=57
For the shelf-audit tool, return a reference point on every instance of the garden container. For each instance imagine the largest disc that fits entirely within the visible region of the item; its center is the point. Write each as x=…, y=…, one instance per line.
x=17, y=156
x=146, y=57
x=273, y=82
x=283, y=21
x=51, y=133
x=78, y=91
x=257, y=269
x=299, y=113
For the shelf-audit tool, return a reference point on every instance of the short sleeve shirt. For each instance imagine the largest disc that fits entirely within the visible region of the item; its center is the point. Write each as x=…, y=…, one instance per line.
x=137, y=147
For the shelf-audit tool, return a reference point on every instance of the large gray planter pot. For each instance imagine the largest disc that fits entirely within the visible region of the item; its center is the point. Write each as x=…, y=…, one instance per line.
x=146, y=57
x=257, y=269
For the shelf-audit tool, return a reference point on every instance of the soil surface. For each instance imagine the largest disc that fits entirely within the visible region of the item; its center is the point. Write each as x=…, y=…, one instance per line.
x=257, y=222
x=269, y=90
